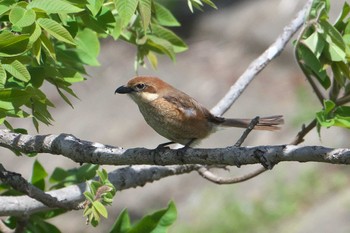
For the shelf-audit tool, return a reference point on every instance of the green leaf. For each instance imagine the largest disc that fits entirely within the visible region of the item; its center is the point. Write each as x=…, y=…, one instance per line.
x=2, y=76
x=11, y=44
x=210, y=3
x=18, y=70
x=344, y=13
x=313, y=66
x=126, y=9
x=164, y=16
x=166, y=34
x=336, y=46
x=54, y=6
x=89, y=196
x=56, y=30
x=21, y=17
x=94, y=6
x=35, y=31
x=11, y=98
x=152, y=58
x=100, y=208
x=316, y=43
x=145, y=12
x=162, y=46
x=88, y=47
x=38, y=176
x=47, y=45
x=5, y=6
x=158, y=222
x=103, y=23
x=122, y=224
x=335, y=53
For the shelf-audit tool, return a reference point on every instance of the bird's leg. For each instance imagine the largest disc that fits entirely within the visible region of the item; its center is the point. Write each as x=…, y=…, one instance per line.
x=181, y=152
x=164, y=145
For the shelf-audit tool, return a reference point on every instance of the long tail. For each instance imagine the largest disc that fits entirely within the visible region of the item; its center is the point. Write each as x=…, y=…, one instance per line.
x=265, y=123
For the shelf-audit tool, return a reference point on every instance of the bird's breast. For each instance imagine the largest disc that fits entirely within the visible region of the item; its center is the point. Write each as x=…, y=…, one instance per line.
x=173, y=123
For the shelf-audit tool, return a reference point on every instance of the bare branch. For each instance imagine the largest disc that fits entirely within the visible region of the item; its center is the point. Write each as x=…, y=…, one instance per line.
x=207, y=174
x=261, y=62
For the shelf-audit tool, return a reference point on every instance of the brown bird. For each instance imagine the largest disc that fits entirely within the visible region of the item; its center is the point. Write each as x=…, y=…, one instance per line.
x=177, y=116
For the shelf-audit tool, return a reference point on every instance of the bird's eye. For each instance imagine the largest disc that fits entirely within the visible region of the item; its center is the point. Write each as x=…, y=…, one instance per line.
x=140, y=86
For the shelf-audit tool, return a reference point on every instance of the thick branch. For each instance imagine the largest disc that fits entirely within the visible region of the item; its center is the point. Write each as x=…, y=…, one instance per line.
x=122, y=178
x=89, y=152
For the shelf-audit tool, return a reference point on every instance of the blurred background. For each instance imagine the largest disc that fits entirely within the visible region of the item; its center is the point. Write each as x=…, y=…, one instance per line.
x=292, y=197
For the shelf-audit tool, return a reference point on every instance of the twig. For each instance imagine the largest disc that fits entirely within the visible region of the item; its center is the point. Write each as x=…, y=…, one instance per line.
x=246, y=132
x=302, y=133
x=207, y=174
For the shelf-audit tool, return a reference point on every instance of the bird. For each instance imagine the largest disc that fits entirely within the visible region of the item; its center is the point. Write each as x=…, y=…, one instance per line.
x=177, y=116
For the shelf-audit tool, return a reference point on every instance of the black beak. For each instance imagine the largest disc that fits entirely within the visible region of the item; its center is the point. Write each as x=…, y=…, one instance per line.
x=123, y=90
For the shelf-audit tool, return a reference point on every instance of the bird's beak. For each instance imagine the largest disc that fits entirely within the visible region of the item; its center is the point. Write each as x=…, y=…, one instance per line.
x=123, y=90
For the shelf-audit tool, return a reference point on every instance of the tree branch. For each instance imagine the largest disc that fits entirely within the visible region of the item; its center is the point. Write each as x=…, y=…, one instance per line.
x=17, y=182
x=261, y=62
x=82, y=151
x=122, y=178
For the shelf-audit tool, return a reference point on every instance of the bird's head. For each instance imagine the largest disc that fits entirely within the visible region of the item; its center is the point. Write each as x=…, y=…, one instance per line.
x=144, y=88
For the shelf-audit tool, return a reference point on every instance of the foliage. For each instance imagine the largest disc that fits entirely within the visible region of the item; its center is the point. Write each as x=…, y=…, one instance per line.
x=157, y=222
x=323, y=53
x=51, y=41
x=101, y=193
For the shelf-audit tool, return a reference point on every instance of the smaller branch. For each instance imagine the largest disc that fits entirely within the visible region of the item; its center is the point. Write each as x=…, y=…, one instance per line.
x=247, y=131
x=21, y=224
x=261, y=62
x=205, y=173
x=302, y=133
x=343, y=100
x=17, y=182
x=4, y=228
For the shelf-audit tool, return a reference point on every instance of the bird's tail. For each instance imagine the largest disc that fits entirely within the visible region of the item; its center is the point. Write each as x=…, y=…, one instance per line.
x=265, y=123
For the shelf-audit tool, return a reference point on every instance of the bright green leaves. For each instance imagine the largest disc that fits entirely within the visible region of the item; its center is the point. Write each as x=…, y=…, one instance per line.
x=17, y=70
x=52, y=40
x=56, y=30
x=38, y=176
x=147, y=17
x=157, y=222
x=12, y=44
x=126, y=9
x=21, y=17
x=54, y=6
x=101, y=193
x=323, y=53
x=164, y=16
x=88, y=47
x=333, y=115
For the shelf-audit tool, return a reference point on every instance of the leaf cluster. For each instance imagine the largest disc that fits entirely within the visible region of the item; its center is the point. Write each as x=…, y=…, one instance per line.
x=51, y=41
x=101, y=193
x=157, y=222
x=323, y=54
